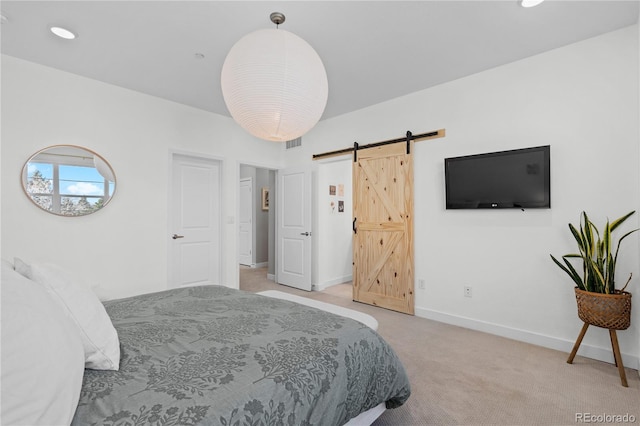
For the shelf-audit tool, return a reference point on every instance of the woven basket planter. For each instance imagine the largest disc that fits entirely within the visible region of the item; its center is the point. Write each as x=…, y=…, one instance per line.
x=612, y=311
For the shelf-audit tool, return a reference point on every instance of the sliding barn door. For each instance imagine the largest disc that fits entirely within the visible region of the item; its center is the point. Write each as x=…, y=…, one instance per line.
x=383, y=227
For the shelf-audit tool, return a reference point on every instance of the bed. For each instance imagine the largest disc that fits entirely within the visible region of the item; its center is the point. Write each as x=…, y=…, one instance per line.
x=217, y=356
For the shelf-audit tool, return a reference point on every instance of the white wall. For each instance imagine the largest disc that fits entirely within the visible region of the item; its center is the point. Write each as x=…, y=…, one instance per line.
x=334, y=259
x=122, y=248
x=583, y=101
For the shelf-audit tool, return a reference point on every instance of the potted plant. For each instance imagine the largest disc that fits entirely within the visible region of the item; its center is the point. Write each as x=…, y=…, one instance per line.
x=599, y=302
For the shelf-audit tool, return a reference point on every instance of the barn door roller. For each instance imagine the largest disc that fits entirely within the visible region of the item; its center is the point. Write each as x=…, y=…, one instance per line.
x=406, y=139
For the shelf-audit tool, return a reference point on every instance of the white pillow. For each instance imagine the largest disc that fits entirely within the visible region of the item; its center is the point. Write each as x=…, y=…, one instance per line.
x=42, y=356
x=101, y=343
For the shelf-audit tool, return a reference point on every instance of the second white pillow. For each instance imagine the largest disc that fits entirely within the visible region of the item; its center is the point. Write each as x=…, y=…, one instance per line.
x=99, y=337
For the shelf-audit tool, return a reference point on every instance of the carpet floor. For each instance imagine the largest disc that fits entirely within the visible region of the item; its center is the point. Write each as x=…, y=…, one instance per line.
x=466, y=377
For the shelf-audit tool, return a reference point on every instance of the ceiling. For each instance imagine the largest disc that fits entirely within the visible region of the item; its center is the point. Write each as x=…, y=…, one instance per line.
x=373, y=51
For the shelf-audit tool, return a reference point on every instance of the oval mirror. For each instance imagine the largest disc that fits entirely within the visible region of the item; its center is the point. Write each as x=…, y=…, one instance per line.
x=68, y=180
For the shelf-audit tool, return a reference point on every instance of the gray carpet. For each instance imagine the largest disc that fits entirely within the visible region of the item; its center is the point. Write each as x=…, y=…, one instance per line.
x=465, y=377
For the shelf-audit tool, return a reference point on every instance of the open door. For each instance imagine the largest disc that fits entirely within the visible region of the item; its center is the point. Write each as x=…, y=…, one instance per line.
x=293, y=264
x=245, y=223
x=383, y=227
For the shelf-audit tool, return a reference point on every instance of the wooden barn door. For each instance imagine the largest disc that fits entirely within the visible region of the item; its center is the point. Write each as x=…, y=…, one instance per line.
x=383, y=227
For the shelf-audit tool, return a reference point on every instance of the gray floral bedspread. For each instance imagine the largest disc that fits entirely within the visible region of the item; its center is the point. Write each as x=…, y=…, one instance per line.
x=212, y=355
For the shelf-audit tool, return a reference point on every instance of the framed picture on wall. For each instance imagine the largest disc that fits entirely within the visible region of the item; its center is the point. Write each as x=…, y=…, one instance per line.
x=265, y=198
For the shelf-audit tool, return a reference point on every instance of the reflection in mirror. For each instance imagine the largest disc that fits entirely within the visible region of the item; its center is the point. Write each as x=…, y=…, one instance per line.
x=68, y=180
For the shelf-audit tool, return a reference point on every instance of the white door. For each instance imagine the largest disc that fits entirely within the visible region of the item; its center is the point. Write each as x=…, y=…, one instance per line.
x=294, y=228
x=245, y=222
x=194, y=233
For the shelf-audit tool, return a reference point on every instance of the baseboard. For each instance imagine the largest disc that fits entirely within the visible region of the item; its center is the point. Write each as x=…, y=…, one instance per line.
x=594, y=352
x=325, y=285
x=271, y=277
x=260, y=265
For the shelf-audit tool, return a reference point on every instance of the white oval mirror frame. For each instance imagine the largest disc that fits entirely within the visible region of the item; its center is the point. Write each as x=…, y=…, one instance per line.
x=68, y=180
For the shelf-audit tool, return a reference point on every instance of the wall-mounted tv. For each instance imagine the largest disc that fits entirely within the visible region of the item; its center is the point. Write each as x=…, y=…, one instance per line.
x=496, y=180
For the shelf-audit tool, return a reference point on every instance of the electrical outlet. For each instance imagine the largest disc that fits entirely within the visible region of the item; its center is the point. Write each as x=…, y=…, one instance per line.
x=421, y=284
x=467, y=291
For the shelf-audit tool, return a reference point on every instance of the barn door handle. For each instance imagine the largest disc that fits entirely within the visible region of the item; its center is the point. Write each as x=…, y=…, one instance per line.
x=353, y=225
x=176, y=236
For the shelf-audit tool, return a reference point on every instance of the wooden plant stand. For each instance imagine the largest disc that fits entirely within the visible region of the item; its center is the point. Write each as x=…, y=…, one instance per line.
x=616, y=352
x=610, y=311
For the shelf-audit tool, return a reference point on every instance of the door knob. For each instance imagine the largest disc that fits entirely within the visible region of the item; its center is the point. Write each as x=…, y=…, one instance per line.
x=176, y=236
x=306, y=234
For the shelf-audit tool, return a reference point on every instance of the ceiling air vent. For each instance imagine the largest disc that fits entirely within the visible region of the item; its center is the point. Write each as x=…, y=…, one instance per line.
x=294, y=142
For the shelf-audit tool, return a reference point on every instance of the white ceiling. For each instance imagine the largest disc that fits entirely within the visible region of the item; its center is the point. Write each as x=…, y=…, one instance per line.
x=372, y=50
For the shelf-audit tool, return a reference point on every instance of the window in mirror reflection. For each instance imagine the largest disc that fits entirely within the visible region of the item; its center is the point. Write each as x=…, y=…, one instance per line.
x=69, y=185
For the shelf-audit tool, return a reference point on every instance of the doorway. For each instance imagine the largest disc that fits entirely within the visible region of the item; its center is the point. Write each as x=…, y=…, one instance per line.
x=256, y=219
x=332, y=211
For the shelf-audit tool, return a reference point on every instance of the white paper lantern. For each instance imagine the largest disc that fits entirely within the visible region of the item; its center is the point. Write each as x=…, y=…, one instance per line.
x=103, y=168
x=274, y=85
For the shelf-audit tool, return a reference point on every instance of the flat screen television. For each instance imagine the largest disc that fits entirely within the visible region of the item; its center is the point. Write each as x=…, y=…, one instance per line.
x=517, y=178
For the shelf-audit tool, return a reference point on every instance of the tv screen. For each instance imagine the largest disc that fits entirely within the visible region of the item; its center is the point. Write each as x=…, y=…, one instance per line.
x=507, y=179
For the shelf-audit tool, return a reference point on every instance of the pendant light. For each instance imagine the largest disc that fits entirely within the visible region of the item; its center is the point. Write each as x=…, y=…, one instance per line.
x=274, y=84
x=530, y=3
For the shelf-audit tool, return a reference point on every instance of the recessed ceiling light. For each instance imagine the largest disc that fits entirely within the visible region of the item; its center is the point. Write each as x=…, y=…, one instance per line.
x=530, y=3
x=63, y=33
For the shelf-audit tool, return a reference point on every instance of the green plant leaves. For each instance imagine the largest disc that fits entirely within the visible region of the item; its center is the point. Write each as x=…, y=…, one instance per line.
x=595, y=251
x=569, y=269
